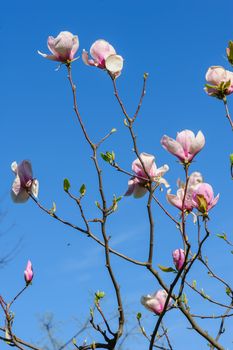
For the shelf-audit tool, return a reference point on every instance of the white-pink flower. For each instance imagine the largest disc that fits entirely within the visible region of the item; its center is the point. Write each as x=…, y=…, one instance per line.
x=104, y=56
x=203, y=198
x=63, y=47
x=178, y=258
x=219, y=82
x=186, y=145
x=156, y=302
x=24, y=182
x=178, y=200
x=28, y=273
x=137, y=184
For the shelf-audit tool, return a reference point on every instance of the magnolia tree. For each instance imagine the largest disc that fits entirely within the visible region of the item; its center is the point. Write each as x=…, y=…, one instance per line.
x=194, y=202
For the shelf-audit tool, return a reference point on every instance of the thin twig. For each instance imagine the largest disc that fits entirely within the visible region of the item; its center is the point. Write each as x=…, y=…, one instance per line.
x=227, y=112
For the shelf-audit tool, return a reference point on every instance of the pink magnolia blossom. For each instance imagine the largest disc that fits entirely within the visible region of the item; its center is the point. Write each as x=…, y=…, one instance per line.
x=24, y=182
x=219, y=82
x=203, y=198
x=136, y=185
x=28, y=273
x=104, y=57
x=186, y=145
x=63, y=47
x=177, y=200
x=156, y=302
x=178, y=258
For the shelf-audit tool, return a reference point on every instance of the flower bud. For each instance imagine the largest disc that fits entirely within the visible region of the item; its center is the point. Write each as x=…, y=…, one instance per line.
x=203, y=198
x=28, y=273
x=178, y=258
x=156, y=302
x=219, y=82
x=104, y=57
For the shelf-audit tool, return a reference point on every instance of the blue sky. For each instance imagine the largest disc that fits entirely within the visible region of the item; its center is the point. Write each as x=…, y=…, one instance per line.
x=175, y=42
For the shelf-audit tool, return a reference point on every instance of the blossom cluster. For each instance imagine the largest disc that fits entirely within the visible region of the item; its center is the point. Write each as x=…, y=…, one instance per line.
x=104, y=56
x=192, y=194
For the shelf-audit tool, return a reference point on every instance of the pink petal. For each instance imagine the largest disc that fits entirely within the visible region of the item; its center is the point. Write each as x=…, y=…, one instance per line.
x=198, y=143
x=214, y=202
x=24, y=171
x=75, y=47
x=186, y=139
x=86, y=60
x=173, y=147
x=174, y=200
x=139, y=191
x=131, y=186
x=100, y=50
x=49, y=57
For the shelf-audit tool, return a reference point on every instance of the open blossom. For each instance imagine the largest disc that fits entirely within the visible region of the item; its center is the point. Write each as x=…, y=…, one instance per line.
x=186, y=145
x=63, y=47
x=203, y=198
x=156, y=302
x=24, y=182
x=104, y=57
x=178, y=258
x=219, y=82
x=136, y=185
x=28, y=273
x=177, y=200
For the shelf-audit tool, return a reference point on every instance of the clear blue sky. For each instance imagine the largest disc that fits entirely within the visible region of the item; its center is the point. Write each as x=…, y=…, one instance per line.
x=175, y=42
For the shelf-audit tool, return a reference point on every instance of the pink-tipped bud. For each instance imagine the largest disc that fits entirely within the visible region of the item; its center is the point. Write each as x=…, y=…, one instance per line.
x=28, y=273
x=178, y=258
x=203, y=198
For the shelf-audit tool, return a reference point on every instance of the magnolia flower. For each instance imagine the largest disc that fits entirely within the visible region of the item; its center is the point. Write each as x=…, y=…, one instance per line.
x=136, y=185
x=186, y=145
x=178, y=258
x=104, y=57
x=219, y=82
x=177, y=200
x=63, y=47
x=203, y=198
x=24, y=182
x=28, y=273
x=156, y=302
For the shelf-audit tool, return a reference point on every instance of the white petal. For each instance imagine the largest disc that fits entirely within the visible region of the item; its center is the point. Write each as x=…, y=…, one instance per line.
x=114, y=63
x=35, y=188
x=14, y=167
